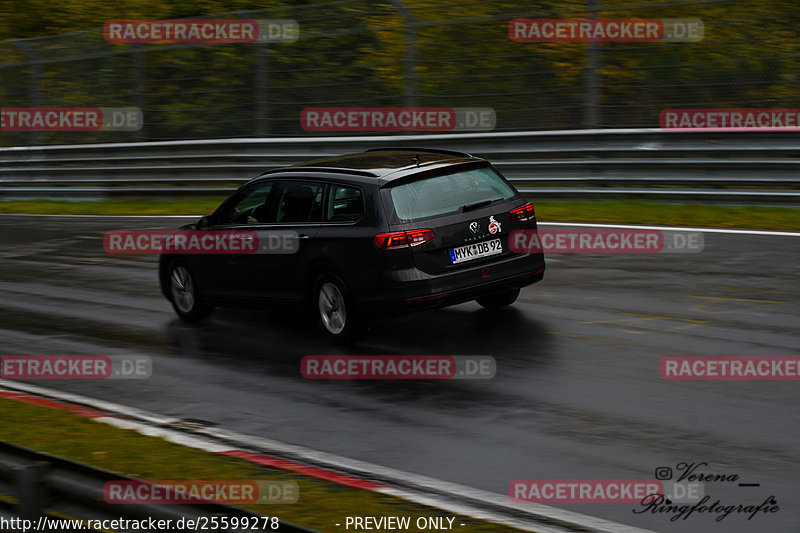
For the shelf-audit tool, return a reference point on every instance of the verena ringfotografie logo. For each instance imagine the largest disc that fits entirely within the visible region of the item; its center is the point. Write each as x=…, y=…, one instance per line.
x=690, y=486
x=583, y=490
x=398, y=119
x=71, y=119
x=604, y=241
x=398, y=367
x=201, y=242
x=627, y=30
x=730, y=368
x=199, y=492
x=201, y=31
x=75, y=367
x=736, y=119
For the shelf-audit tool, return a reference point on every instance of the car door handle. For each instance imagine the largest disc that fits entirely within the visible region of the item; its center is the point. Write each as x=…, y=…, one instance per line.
x=303, y=236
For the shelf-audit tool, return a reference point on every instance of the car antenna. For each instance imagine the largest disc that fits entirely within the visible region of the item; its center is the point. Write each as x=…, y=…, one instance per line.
x=416, y=160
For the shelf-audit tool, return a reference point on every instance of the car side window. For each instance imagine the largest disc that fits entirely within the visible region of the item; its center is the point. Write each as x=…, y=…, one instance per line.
x=345, y=204
x=300, y=201
x=254, y=206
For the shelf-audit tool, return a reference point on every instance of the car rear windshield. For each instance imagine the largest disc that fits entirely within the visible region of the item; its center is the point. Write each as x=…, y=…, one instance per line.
x=448, y=193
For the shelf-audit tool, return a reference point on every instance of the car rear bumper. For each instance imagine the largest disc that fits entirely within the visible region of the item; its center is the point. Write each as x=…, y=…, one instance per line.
x=412, y=289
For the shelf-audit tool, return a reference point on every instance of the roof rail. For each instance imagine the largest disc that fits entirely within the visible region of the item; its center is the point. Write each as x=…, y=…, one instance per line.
x=337, y=170
x=420, y=150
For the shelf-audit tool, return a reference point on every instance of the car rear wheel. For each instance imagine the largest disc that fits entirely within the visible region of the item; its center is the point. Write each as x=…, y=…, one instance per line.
x=185, y=296
x=336, y=314
x=498, y=299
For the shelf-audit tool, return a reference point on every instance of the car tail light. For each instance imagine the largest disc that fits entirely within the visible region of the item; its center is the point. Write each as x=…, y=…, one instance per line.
x=523, y=213
x=403, y=239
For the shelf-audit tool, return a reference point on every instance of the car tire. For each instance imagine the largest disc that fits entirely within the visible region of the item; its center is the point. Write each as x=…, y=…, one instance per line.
x=335, y=313
x=185, y=294
x=498, y=299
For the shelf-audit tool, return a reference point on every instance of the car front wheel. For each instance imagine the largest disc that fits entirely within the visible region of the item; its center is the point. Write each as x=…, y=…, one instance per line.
x=186, y=298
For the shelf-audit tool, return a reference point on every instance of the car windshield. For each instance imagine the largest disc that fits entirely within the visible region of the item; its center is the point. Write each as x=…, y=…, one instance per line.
x=448, y=193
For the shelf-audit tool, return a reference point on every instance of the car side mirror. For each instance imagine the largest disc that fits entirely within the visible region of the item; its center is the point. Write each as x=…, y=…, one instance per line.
x=203, y=222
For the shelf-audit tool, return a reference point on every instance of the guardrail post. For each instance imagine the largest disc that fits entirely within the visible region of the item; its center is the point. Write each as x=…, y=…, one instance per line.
x=31, y=492
x=410, y=63
x=591, y=113
x=261, y=87
x=137, y=85
x=261, y=65
x=34, y=79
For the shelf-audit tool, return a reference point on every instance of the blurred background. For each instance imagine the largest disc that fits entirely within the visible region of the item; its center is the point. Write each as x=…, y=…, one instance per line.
x=357, y=53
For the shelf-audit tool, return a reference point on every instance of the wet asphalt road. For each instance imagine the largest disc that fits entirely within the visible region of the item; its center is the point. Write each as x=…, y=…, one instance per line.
x=577, y=393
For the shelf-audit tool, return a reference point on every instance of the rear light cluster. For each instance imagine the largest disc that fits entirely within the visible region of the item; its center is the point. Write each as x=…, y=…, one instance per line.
x=523, y=213
x=403, y=239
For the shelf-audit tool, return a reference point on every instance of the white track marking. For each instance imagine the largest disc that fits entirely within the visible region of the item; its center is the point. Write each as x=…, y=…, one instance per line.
x=675, y=228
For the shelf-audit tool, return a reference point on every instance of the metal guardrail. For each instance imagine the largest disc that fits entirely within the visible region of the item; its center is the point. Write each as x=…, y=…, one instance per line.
x=686, y=165
x=34, y=484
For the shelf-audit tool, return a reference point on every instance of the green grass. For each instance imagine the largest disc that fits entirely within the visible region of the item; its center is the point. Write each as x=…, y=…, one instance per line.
x=195, y=206
x=321, y=504
x=610, y=211
x=656, y=213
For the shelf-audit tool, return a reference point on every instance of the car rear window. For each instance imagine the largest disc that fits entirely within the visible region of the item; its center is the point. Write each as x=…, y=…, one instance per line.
x=445, y=194
x=345, y=204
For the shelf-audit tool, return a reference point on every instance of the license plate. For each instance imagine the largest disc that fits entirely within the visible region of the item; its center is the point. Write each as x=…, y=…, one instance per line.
x=476, y=250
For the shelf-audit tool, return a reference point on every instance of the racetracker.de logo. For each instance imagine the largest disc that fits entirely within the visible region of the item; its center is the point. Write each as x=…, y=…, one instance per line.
x=187, y=242
x=731, y=368
x=201, y=31
x=201, y=242
x=181, y=31
x=70, y=119
x=604, y=241
x=398, y=119
x=583, y=490
x=732, y=119
x=628, y=30
x=75, y=367
x=200, y=491
x=398, y=367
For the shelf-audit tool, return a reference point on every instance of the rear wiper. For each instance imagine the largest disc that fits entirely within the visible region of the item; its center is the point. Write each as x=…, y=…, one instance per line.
x=476, y=205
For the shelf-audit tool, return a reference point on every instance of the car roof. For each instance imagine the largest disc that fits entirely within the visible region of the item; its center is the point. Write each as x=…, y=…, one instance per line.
x=377, y=166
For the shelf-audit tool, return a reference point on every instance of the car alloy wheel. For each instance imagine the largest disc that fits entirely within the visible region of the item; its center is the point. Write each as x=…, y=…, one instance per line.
x=332, y=308
x=185, y=294
x=183, y=289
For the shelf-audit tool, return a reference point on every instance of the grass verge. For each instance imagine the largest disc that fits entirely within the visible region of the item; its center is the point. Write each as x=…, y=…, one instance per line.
x=321, y=505
x=657, y=213
x=608, y=211
x=194, y=206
